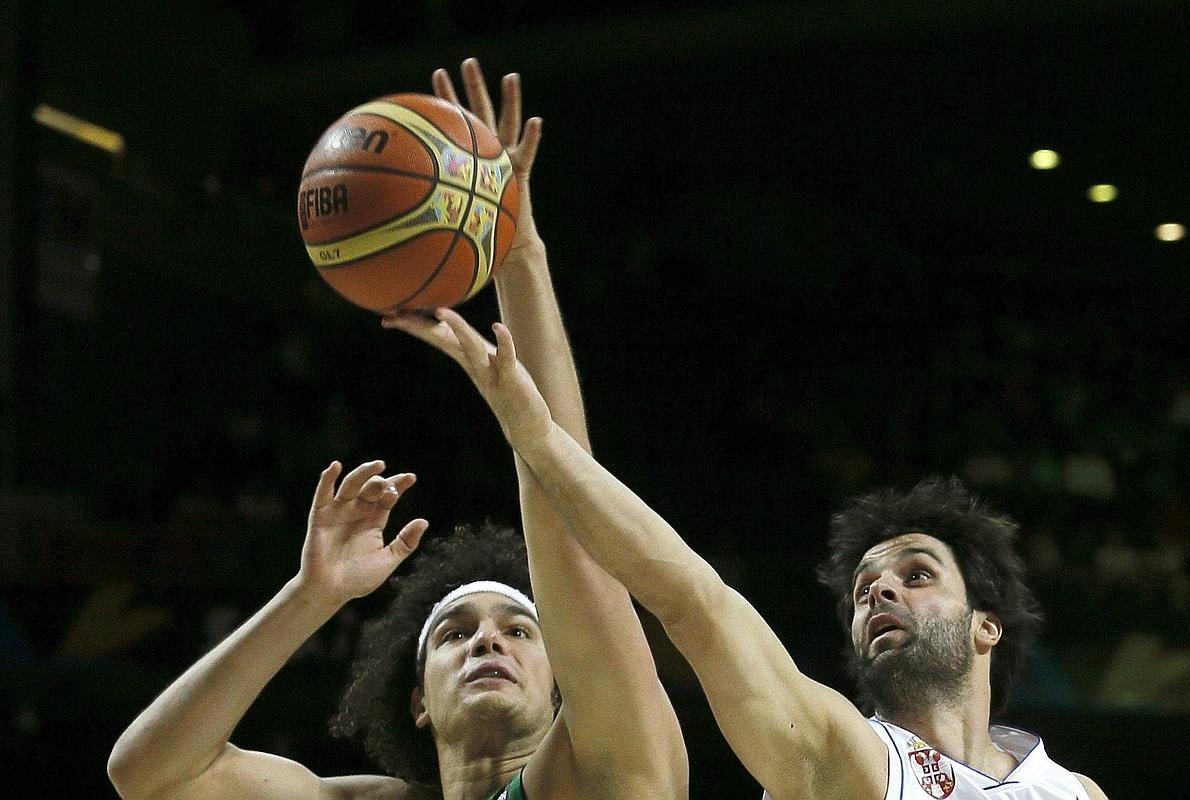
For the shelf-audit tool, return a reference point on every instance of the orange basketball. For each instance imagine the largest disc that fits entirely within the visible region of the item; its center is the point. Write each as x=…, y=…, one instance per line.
x=407, y=202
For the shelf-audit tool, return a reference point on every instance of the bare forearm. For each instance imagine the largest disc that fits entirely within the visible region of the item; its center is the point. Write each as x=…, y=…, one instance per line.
x=182, y=732
x=763, y=704
x=529, y=308
x=620, y=532
x=562, y=571
x=572, y=591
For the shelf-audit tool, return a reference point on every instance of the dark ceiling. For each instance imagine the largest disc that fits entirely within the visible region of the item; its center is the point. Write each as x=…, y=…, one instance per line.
x=899, y=124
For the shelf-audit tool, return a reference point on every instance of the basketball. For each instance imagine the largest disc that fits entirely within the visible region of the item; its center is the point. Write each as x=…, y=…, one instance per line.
x=407, y=202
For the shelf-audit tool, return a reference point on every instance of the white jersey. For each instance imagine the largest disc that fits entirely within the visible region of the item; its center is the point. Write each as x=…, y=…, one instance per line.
x=917, y=771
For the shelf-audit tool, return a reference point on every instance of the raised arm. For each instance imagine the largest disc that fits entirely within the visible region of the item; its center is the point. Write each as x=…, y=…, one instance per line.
x=797, y=737
x=617, y=719
x=179, y=746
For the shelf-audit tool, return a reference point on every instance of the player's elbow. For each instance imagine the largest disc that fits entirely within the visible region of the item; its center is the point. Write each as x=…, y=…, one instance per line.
x=121, y=771
x=128, y=772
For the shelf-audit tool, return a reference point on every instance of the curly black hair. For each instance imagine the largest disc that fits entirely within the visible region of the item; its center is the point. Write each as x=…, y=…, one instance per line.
x=375, y=705
x=982, y=542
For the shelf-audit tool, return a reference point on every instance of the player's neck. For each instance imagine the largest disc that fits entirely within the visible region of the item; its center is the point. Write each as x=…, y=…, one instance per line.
x=474, y=770
x=959, y=731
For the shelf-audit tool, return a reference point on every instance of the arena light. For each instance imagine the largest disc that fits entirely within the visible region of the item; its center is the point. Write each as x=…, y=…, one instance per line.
x=1102, y=193
x=1170, y=231
x=80, y=129
x=1044, y=159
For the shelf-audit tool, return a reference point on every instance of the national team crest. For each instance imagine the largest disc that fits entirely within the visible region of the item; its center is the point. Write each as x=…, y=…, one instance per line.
x=934, y=772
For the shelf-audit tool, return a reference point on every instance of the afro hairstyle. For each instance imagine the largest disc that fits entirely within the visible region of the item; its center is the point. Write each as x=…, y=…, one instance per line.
x=375, y=706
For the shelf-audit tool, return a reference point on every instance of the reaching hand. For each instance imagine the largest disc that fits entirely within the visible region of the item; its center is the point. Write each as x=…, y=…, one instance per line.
x=502, y=380
x=345, y=554
x=521, y=145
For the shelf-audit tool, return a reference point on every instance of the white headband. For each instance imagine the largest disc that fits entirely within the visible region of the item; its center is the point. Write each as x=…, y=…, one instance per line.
x=475, y=587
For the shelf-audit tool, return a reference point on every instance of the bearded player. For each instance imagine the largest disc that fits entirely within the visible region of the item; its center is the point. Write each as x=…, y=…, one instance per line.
x=456, y=691
x=928, y=586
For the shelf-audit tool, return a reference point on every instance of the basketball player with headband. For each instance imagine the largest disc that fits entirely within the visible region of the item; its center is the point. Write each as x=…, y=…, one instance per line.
x=466, y=688
x=928, y=586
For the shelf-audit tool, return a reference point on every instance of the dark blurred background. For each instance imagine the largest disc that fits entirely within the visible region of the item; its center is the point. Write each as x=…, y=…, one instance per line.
x=801, y=252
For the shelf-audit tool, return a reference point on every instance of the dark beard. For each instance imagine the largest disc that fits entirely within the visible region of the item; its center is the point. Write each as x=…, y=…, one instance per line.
x=929, y=669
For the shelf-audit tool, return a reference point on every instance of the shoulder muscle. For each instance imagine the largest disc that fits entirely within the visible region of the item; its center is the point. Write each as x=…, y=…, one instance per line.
x=1093, y=790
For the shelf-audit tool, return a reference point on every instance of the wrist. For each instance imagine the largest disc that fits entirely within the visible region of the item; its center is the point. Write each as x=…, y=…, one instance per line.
x=311, y=597
x=527, y=254
x=534, y=443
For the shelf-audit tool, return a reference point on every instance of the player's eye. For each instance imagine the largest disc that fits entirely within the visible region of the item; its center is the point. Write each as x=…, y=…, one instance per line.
x=917, y=575
x=452, y=635
x=862, y=591
x=518, y=631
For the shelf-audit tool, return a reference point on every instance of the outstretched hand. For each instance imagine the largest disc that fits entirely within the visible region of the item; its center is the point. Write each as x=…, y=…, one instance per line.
x=520, y=142
x=503, y=381
x=345, y=555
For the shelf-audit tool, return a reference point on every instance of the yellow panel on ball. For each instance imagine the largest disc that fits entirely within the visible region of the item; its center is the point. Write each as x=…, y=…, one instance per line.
x=407, y=202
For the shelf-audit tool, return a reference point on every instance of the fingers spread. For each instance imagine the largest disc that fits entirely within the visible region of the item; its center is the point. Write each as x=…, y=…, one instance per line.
x=444, y=87
x=510, y=110
x=350, y=487
x=477, y=93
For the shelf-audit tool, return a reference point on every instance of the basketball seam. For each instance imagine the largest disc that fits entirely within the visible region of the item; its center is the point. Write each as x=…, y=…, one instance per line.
x=500, y=205
x=434, y=180
x=429, y=193
x=511, y=215
x=429, y=150
x=428, y=281
x=474, y=183
x=433, y=157
x=425, y=119
x=405, y=173
x=462, y=221
x=384, y=249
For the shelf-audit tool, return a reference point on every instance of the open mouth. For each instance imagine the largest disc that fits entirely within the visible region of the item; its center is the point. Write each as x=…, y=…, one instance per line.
x=882, y=624
x=489, y=671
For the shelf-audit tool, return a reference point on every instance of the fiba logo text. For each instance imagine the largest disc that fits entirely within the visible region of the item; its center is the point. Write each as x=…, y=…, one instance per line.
x=322, y=201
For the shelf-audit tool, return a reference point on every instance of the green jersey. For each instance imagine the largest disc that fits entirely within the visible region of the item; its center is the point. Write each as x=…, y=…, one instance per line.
x=513, y=791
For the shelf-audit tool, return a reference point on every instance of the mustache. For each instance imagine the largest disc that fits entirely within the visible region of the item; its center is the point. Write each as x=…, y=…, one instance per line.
x=905, y=619
x=889, y=608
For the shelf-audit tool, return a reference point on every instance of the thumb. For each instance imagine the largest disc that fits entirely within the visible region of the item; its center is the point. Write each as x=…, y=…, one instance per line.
x=405, y=542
